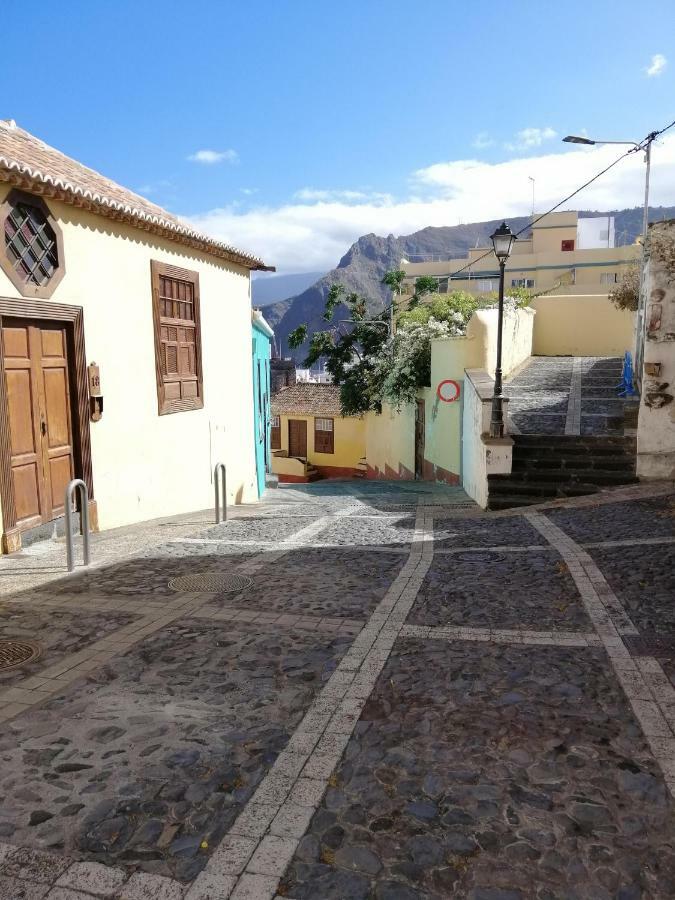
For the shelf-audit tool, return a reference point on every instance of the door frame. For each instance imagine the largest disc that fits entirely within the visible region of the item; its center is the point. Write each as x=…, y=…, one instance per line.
x=302, y=422
x=73, y=318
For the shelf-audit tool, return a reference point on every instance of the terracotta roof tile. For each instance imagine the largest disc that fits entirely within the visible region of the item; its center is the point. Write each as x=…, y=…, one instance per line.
x=29, y=163
x=306, y=399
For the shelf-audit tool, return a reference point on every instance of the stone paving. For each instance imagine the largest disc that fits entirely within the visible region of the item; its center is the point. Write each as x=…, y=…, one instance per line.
x=412, y=699
x=567, y=395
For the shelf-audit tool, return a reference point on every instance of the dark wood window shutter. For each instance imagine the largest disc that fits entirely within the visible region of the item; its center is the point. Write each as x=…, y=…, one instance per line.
x=324, y=435
x=178, y=355
x=275, y=433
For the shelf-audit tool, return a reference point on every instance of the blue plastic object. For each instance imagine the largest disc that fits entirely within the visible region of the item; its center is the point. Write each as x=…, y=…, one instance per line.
x=625, y=388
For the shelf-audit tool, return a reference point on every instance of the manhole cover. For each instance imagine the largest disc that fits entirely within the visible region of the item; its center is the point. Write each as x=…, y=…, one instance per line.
x=212, y=583
x=662, y=646
x=16, y=653
x=479, y=556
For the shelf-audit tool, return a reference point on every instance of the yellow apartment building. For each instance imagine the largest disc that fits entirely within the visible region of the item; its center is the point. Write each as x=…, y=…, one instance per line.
x=563, y=252
x=573, y=261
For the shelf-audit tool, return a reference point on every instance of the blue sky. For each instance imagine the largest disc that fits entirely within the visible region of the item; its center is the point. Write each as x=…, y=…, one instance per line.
x=324, y=120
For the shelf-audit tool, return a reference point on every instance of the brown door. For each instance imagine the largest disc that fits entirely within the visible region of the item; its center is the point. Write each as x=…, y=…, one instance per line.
x=297, y=438
x=419, y=439
x=40, y=425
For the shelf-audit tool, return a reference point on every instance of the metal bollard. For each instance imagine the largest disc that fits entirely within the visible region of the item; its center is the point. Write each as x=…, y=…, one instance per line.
x=84, y=522
x=220, y=468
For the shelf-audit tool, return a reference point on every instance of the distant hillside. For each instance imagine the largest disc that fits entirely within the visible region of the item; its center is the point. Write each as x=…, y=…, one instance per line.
x=268, y=289
x=366, y=261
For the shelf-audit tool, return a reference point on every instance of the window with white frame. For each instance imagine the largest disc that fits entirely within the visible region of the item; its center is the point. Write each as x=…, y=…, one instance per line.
x=485, y=285
x=522, y=282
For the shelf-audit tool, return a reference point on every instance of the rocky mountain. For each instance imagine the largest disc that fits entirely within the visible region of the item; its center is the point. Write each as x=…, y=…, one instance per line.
x=266, y=289
x=366, y=261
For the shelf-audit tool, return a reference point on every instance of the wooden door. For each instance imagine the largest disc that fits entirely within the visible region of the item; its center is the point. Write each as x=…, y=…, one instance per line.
x=297, y=438
x=40, y=423
x=419, y=439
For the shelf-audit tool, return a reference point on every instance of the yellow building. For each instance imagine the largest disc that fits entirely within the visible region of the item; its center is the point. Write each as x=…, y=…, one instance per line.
x=563, y=252
x=574, y=262
x=124, y=332
x=310, y=436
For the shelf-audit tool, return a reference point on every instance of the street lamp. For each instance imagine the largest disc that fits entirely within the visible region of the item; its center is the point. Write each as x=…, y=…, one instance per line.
x=646, y=145
x=502, y=241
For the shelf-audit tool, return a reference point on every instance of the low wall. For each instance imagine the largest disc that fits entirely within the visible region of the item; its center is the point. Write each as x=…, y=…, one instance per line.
x=481, y=454
x=578, y=325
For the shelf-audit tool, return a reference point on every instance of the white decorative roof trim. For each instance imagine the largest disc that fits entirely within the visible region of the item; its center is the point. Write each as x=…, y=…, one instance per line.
x=99, y=200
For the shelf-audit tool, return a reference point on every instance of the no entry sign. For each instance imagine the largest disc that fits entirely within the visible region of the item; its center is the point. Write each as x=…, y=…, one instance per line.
x=448, y=391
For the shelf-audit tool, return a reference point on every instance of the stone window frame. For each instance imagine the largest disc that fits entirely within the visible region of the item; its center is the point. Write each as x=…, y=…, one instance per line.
x=26, y=289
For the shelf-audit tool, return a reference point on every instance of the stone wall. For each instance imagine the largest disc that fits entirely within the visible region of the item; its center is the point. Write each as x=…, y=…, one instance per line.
x=656, y=423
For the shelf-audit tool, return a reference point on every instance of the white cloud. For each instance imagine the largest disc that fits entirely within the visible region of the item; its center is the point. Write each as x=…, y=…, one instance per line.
x=657, y=65
x=482, y=140
x=211, y=157
x=248, y=191
x=311, y=195
x=312, y=236
x=529, y=138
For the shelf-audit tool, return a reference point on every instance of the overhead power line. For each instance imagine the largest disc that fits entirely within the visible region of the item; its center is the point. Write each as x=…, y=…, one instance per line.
x=641, y=146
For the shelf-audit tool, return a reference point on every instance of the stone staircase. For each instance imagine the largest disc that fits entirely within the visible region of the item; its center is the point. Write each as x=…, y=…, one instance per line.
x=361, y=469
x=546, y=467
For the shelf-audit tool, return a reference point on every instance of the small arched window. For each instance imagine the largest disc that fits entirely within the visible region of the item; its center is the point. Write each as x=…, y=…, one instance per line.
x=32, y=255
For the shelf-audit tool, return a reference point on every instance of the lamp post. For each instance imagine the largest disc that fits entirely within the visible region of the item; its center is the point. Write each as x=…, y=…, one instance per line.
x=502, y=241
x=646, y=145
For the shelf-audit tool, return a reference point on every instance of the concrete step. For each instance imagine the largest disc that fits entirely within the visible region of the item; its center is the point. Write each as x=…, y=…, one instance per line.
x=565, y=477
x=574, y=463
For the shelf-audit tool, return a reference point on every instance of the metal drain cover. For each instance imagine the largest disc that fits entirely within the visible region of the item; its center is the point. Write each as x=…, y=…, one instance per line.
x=480, y=556
x=16, y=653
x=651, y=644
x=210, y=583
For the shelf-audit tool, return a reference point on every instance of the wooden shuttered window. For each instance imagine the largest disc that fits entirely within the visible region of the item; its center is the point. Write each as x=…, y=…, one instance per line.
x=275, y=435
x=178, y=355
x=323, y=436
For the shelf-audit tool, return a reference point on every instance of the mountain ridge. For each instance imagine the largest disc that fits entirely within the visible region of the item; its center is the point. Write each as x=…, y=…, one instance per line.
x=361, y=268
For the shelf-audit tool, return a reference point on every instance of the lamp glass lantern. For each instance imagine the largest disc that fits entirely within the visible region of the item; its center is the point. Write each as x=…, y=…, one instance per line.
x=502, y=241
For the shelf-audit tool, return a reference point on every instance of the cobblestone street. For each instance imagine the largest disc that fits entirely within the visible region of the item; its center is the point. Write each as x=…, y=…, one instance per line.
x=373, y=690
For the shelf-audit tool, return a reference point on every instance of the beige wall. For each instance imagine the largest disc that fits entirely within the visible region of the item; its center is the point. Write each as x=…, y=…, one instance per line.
x=581, y=326
x=146, y=465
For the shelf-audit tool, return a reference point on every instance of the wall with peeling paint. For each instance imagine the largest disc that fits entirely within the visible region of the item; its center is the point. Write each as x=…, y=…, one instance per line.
x=656, y=422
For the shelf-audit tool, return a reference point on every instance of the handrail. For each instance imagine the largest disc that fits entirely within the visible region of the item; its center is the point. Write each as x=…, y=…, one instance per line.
x=218, y=469
x=84, y=522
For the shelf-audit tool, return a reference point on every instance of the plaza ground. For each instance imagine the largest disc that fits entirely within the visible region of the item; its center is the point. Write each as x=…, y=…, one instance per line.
x=352, y=690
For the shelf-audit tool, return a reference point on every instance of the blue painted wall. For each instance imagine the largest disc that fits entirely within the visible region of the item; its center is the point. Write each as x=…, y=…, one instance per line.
x=262, y=353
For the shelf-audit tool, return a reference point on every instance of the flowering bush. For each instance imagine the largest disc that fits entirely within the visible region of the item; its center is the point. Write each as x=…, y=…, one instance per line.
x=403, y=365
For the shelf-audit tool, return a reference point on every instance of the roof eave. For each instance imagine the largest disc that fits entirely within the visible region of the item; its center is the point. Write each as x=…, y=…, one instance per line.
x=12, y=172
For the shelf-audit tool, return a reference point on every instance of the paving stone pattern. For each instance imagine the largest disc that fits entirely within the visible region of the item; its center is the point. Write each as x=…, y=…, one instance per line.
x=513, y=773
x=567, y=395
x=58, y=632
x=111, y=772
x=643, y=579
x=513, y=590
x=485, y=532
x=458, y=706
x=613, y=521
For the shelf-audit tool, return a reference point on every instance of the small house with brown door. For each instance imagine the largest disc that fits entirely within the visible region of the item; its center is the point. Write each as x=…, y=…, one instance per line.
x=125, y=350
x=311, y=438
